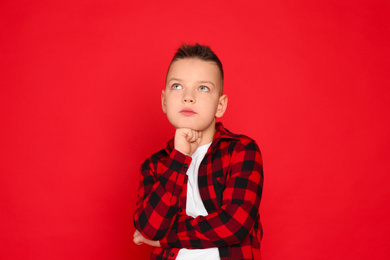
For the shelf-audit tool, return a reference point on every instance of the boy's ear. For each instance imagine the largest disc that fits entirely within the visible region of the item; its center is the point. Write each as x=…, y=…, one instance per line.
x=164, y=106
x=222, y=105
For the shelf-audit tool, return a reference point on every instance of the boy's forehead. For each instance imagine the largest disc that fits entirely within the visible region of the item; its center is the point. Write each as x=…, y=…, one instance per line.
x=194, y=67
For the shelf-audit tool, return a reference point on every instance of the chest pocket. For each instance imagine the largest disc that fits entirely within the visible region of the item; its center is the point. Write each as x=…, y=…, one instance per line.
x=212, y=177
x=221, y=169
x=219, y=183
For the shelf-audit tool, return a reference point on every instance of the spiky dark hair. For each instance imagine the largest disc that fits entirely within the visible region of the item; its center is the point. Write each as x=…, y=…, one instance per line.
x=199, y=51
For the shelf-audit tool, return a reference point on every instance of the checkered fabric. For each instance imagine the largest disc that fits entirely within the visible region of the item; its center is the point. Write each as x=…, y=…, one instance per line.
x=230, y=184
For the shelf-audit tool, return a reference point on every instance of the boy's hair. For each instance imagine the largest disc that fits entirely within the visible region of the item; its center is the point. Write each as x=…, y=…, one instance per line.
x=199, y=51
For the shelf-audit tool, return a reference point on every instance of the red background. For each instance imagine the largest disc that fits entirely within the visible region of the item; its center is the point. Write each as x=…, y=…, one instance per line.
x=80, y=110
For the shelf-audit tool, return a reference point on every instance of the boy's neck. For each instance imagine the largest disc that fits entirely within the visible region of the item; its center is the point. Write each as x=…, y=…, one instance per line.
x=208, y=135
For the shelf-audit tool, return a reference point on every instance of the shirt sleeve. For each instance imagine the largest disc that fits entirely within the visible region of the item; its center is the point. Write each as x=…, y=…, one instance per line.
x=235, y=219
x=158, y=194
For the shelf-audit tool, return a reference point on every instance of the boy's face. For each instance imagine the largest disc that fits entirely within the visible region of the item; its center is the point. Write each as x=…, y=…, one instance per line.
x=192, y=96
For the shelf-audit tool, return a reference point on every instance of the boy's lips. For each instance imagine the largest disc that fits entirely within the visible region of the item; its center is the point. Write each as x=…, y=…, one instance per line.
x=187, y=112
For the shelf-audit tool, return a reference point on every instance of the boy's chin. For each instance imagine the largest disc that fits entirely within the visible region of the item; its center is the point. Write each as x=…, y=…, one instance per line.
x=192, y=125
x=189, y=126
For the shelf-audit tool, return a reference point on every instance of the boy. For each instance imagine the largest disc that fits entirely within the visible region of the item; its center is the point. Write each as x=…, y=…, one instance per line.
x=199, y=197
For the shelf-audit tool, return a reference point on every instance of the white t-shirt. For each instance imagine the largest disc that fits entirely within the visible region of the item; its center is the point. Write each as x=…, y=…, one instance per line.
x=196, y=208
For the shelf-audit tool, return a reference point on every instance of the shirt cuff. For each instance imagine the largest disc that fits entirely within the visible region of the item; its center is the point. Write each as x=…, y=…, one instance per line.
x=178, y=161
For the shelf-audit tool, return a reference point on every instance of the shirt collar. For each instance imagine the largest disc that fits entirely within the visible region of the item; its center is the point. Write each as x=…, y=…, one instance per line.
x=221, y=133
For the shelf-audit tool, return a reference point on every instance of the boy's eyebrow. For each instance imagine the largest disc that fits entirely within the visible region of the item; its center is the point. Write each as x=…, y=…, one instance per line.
x=174, y=79
x=206, y=81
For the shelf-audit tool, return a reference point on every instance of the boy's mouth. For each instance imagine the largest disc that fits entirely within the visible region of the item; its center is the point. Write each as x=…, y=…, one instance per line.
x=187, y=112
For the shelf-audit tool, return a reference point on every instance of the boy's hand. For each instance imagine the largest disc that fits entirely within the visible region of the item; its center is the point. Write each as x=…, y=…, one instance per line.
x=187, y=140
x=139, y=239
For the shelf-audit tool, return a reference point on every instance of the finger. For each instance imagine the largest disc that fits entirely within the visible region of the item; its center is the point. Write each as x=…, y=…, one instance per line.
x=188, y=134
x=195, y=135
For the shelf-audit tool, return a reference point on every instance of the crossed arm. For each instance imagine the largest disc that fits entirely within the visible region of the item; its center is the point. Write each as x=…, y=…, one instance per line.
x=230, y=224
x=169, y=185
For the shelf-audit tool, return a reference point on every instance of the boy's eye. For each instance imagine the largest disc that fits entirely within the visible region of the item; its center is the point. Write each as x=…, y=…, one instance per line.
x=177, y=86
x=204, y=88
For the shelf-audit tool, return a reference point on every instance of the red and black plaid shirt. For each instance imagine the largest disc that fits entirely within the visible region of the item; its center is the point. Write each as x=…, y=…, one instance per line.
x=230, y=184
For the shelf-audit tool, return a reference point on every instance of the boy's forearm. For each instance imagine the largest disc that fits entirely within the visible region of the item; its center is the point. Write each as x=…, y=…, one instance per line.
x=226, y=227
x=157, y=202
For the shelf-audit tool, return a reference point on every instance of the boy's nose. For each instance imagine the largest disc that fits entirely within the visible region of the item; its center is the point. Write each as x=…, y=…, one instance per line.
x=188, y=100
x=188, y=97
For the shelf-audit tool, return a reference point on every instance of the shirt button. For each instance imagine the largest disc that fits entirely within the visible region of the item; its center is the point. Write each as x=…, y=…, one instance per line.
x=180, y=210
x=171, y=254
x=185, y=165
